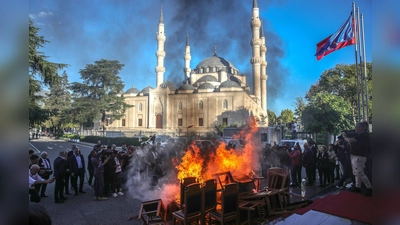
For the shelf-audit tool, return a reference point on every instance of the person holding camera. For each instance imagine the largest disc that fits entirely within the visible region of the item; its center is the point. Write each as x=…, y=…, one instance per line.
x=34, y=179
x=45, y=171
x=98, y=166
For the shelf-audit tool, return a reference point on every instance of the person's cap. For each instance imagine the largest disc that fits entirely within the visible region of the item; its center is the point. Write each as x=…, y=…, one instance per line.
x=340, y=137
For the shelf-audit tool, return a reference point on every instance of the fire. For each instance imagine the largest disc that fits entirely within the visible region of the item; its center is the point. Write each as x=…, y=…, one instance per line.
x=192, y=164
x=237, y=161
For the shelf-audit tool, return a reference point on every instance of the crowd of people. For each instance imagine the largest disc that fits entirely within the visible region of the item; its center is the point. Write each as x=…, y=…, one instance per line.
x=347, y=160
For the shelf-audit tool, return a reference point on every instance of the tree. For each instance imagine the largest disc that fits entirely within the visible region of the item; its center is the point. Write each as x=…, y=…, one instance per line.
x=271, y=118
x=58, y=103
x=287, y=116
x=40, y=68
x=327, y=113
x=341, y=81
x=300, y=104
x=98, y=97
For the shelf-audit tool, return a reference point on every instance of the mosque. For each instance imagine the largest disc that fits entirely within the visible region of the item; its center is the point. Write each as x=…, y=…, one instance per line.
x=212, y=93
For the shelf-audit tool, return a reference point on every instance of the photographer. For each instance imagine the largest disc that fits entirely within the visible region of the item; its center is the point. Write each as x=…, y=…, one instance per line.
x=34, y=179
x=360, y=148
x=45, y=171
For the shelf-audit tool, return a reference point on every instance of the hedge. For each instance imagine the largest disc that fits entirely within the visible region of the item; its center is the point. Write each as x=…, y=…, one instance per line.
x=117, y=140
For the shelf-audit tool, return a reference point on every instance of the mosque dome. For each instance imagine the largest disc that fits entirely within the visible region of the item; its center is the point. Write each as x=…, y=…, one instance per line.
x=215, y=64
x=169, y=85
x=206, y=86
x=229, y=84
x=185, y=87
x=208, y=78
x=146, y=90
x=132, y=90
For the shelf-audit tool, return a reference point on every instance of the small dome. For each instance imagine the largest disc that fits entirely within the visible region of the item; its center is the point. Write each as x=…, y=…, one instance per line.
x=207, y=78
x=169, y=85
x=186, y=87
x=229, y=84
x=206, y=86
x=146, y=90
x=132, y=90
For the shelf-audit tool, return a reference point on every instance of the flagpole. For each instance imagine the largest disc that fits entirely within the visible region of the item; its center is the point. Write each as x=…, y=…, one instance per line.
x=361, y=56
x=365, y=67
x=355, y=52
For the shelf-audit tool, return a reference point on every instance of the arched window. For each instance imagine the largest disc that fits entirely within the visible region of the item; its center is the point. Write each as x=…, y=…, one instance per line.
x=180, y=106
x=201, y=105
x=140, y=107
x=225, y=104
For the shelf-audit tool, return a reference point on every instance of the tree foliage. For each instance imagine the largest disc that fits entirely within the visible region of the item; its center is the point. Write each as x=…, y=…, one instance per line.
x=287, y=116
x=300, y=104
x=341, y=81
x=271, y=118
x=99, y=96
x=41, y=72
x=327, y=113
x=58, y=103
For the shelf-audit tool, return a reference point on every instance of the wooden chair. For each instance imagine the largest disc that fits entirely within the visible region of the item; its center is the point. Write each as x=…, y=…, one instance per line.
x=209, y=198
x=192, y=209
x=153, y=212
x=230, y=205
x=184, y=183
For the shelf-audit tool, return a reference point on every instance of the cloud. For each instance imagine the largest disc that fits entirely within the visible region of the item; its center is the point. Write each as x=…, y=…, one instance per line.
x=32, y=16
x=44, y=14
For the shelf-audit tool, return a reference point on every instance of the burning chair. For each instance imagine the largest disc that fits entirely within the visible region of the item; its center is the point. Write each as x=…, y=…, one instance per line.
x=230, y=205
x=184, y=183
x=192, y=209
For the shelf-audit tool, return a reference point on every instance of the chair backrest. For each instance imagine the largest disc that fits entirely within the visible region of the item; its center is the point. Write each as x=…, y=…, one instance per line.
x=230, y=199
x=277, y=180
x=185, y=182
x=192, y=199
x=209, y=195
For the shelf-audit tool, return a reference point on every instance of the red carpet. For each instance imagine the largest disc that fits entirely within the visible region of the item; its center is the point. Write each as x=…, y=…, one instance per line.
x=346, y=204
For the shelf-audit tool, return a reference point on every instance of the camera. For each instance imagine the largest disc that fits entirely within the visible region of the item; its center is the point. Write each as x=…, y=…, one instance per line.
x=350, y=133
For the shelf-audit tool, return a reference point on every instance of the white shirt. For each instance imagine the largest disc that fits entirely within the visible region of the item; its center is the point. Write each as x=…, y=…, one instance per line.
x=118, y=169
x=33, y=178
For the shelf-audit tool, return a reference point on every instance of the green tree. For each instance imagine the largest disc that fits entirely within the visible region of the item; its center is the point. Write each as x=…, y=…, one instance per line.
x=41, y=72
x=300, y=104
x=98, y=97
x=58, y=104
x=271, y=118
x=341, y=81
x=327, y=113
x=287, y=116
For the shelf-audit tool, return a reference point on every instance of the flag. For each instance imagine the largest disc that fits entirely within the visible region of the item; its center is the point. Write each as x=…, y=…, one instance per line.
x=342, y=38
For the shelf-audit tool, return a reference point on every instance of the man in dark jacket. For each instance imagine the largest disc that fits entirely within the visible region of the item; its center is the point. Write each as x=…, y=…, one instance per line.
x=77, y=169
x=308, y=163
x=59, y=174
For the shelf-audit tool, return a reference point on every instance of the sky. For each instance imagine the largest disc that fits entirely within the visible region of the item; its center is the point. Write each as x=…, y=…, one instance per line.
x=85, y=31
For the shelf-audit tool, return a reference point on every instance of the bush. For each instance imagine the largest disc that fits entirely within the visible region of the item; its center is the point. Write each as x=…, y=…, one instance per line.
x=117, y=140
x=72, y=136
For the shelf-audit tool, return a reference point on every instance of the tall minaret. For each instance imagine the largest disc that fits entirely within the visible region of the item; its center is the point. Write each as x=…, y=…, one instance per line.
x=264, y=75
x=160, y=69
x=255, y=43
x=187, y=57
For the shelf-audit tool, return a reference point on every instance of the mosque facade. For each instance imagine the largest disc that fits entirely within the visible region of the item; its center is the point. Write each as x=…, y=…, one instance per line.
x=212, y=93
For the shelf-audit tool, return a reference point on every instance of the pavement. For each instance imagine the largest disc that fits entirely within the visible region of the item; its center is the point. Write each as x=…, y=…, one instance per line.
x=83, y=209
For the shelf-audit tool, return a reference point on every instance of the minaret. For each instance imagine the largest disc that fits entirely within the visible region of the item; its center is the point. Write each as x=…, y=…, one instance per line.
x=160, y=69
x=264, y=76
x=255, y=43
x=187, y=57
